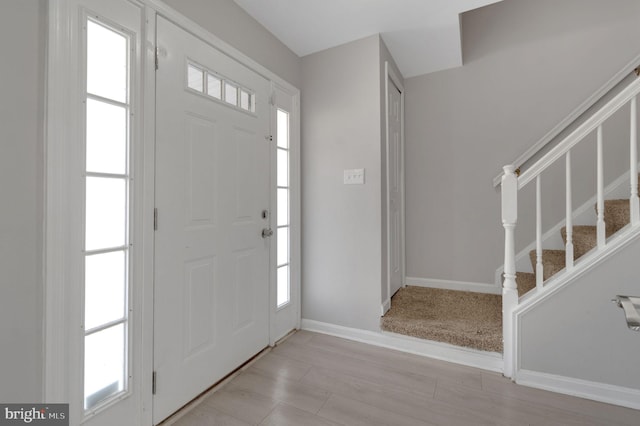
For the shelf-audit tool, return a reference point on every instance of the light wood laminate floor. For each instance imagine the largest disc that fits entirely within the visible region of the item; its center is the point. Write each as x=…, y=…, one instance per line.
x=313, y=379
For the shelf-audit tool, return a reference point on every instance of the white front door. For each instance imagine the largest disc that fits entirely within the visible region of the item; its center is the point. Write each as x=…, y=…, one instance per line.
x=211, y=309
x=394, y=169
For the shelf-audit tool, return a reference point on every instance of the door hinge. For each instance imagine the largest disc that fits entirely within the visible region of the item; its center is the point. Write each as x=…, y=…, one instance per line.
x=153, y=383
x=155, y=219
x=272, y=99
x=269, y=138
x=157, y=62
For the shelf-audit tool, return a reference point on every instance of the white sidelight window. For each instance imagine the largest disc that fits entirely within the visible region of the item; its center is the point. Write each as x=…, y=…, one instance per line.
x=283, y=259
x=107, y=247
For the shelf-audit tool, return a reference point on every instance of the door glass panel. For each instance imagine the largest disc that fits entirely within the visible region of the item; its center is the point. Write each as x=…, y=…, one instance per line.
x=214, y=86
x=106, y=213
x=106, y=137
x=105, y=288
x=283, y=246
x=106, y=303
x=283, y=206
x=283, y=167
x=195, y=78
x=244, y=100
x=104, y=364
x=283, y=296
x=230, y=93
x=283, y=129
x=107, y=64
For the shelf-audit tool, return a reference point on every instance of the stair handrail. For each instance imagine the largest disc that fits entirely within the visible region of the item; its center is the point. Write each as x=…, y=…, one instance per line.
x=629, y=69
x=575, y=137
x=512, y=182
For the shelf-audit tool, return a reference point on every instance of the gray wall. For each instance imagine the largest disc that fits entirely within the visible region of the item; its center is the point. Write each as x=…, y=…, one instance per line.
x=579, y=333
x=527, y=66
x=232, y=24
x=22, y=43
x=341, y=245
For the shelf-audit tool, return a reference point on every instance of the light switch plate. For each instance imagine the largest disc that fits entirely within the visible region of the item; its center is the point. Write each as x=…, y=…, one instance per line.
x=354, y=177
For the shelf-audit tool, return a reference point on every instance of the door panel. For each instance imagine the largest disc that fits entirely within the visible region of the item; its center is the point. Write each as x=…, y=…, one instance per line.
x=395, y=187
x=211, y=310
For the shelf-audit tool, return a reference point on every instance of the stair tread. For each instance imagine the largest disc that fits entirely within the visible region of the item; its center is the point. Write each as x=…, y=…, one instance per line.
x=553, y=261
x=616, y=215
x=585, y=238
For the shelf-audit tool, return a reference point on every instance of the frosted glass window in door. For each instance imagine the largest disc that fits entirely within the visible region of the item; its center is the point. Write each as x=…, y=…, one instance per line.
x=106, y=137
x=245, y=100
x=105, y=288
x=283, y=246
x=230, y=93
x=106, y=213
x=104, y=364
x=283, y=206
x=107, y=63
x=283, y=167
x=283, y=129
x=214, y=86
x=195, y=78
x=282, y=277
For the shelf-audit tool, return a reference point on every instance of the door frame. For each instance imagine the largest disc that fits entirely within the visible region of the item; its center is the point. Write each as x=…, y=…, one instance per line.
x=61, y=141
x=294, y=210
x=390, y=75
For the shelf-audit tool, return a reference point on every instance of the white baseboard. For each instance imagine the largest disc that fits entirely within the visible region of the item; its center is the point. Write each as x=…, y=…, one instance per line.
x=386, y=305
x=454, y=285
x=470, y=357
x=602, y=392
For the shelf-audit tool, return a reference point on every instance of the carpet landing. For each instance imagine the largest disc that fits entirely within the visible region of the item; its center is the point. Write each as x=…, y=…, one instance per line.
x=461, y=318
x=474, y=320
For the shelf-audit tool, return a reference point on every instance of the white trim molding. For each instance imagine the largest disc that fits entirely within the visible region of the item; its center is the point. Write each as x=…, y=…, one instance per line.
x=454, y=285
x=490, y=361
x=602, y=392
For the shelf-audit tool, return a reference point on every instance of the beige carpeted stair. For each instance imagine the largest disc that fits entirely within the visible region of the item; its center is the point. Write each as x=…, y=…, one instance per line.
x=473, y=319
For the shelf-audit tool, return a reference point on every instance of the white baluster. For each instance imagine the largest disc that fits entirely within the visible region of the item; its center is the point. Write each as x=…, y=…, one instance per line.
x=539, y=266
x=601, y=227
x=509, y=285
x=569, y=212
x=634, y=203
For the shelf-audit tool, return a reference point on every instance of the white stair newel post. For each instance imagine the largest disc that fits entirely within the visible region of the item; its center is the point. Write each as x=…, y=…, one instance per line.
x=569, y=212
x=509, y=285
x=539, y=266
x=634, y=203
x=601, y=228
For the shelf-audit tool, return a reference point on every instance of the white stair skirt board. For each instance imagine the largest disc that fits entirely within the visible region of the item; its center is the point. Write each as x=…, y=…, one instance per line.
x=455, y=285
x=490, y=361
x=602, y=392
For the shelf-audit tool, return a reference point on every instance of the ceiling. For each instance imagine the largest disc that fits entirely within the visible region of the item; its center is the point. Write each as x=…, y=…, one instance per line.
x=422, y=35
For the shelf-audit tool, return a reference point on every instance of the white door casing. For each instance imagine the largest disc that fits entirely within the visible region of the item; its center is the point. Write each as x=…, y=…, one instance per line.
x=395, y=183
x=212, y=184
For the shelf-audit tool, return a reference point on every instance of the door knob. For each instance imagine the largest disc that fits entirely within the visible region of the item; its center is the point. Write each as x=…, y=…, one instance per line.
x=267, y=232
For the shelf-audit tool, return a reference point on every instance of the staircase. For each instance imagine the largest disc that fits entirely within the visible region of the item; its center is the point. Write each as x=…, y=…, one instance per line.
x=615, y=220
x=584, y=239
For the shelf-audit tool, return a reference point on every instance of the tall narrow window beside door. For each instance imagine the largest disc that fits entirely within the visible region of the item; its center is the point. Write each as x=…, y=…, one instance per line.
x=107, y=213
x=283, y=293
